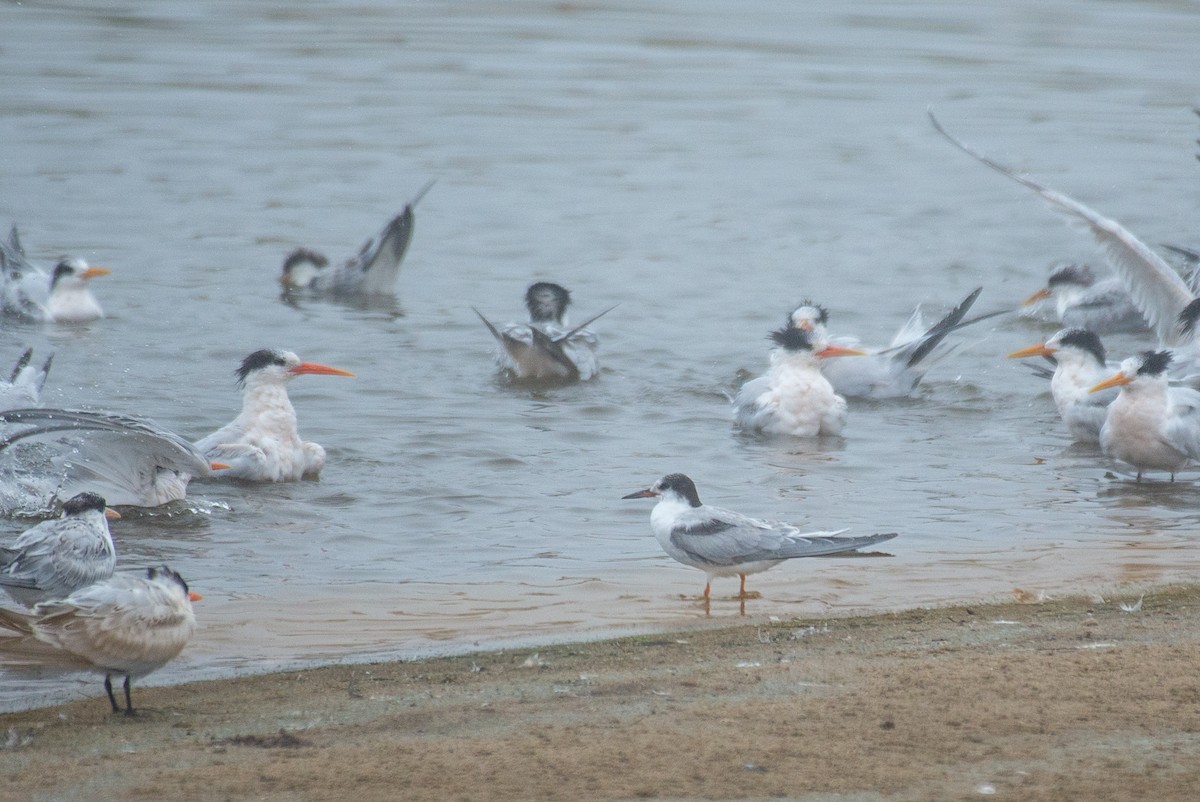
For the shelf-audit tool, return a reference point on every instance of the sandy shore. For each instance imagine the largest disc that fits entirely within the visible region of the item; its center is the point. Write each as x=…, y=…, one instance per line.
x=1062, y=699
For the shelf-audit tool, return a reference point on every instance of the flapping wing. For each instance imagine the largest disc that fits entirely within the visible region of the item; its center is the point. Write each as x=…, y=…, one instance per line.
x=379, y=258
x=117, y=456
x=1158, y=291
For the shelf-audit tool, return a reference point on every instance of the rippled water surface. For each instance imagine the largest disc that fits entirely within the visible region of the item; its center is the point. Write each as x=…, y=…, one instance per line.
x=704, y=166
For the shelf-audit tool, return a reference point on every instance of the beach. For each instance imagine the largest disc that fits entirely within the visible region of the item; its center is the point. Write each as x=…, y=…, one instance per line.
x=1040, y=698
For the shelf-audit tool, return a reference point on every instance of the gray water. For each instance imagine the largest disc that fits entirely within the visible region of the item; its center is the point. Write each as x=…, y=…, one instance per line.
x=705, y=165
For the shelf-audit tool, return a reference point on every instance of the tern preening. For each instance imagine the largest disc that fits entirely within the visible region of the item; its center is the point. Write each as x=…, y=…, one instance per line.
x=263, y=443
x=129, y=624
x=59, y=296
x=1150, y=424
x=1074, y=298
x=547, y=347
x=372, y=271
x=48, y=455
x=725, y=543
x=1079, y=365
x=894, y=371
x=1158, y=292
x=794, y=397
x=24, y=385
x=56, y=558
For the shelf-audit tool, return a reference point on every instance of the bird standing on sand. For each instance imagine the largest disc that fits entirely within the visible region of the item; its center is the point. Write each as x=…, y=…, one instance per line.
x=725, y=543
x=130, y=624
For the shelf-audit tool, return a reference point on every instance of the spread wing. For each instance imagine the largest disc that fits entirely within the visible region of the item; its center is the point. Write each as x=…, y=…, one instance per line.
x=1157, y=290
x=117, y=456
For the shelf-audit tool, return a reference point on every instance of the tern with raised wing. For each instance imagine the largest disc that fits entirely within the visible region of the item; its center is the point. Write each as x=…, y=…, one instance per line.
x=894, y=371
x=129, y=624
x=48, y=455
x=263, y=443
x=725, y=543
x=56, y=558
x=547, y=347
x=1157, y=290
x=61, y=295
x=372, y=271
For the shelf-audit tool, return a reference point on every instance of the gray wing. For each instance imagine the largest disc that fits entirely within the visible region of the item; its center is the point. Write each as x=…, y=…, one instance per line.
x=1183, y=429
x=1157, y=290
x=117, y=456
x=59, y=557
x=748, y=413
x=728, y=539
x=533, y=354
x=374, y=268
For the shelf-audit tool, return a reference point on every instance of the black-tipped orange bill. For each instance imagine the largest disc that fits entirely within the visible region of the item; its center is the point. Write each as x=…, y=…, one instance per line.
x=647, y=493
x=1034, y=350
x=1115, y=380
x=838, y=350
x=1044, y=292
x=324, y=370
x=111, y=514
x=92, y=272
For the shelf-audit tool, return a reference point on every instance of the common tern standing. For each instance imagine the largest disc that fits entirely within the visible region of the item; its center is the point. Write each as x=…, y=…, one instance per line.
x=57, y=558
x=1150, y=425
x=61, y=296
x=895, y=371
x=1079, y=365
x=725, y=543
x=128, y=624
x=372, y=271
x=547, y=347
x=263, y=443
x=794, y=398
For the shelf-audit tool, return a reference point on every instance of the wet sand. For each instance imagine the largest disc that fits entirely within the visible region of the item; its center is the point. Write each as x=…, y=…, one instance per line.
x=1056, y=699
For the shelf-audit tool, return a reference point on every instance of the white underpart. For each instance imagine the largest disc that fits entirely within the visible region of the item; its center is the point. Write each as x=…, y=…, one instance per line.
x=263, y=442
x=1152, y=426
x=794, y=398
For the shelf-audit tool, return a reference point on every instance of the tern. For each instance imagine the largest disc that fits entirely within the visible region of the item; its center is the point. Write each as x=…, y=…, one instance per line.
x=51, y=454
x=263, y=443
x=725, y=543
x=372, y=271
x=1079, y=365
x=895, y=371
x=60, y=296
x=56, y=558
x=547, y=347
x=794, y=397
x=1080, y=300
x=1160, y=294
x=128, y=624
x=24, y=385
x=1150, y=424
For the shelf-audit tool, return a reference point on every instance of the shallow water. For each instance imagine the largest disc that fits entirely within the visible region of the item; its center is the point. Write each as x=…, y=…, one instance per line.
x=704, y=166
